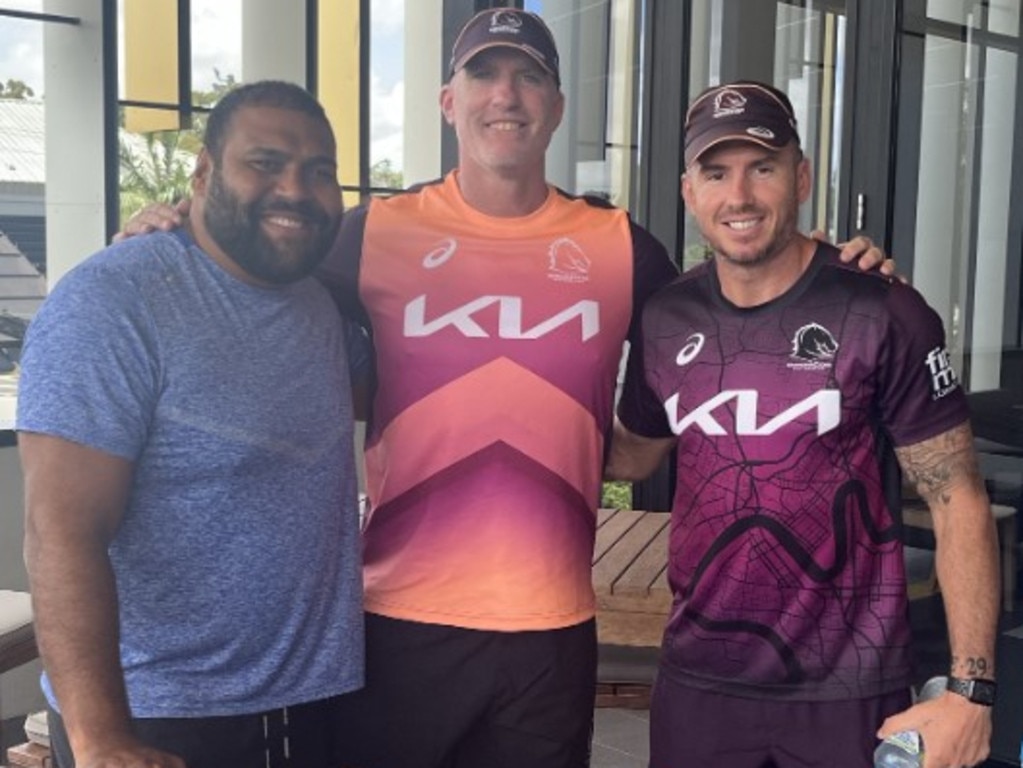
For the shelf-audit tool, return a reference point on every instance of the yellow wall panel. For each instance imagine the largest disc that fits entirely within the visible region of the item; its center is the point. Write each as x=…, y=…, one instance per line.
x=338, y=83
x=151, y=63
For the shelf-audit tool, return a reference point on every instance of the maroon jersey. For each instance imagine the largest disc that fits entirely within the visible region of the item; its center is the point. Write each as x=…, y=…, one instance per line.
x=785, y=561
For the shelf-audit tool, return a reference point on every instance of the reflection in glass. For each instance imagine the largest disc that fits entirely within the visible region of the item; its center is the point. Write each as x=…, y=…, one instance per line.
x=805, y=58
x=962, y=230
x=958, y=12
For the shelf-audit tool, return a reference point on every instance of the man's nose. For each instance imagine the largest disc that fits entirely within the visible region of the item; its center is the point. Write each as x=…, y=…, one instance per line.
x=505, y=90
x=292, y=183
x=740, y=189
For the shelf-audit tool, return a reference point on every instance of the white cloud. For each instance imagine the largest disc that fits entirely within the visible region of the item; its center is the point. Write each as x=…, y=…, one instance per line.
x=216, y=41
x=387, y=122
x=387, y=16
x=21, y=53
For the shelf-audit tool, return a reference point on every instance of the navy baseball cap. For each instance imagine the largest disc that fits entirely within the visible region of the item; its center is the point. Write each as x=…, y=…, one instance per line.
x=508, y=28
x=740, y=111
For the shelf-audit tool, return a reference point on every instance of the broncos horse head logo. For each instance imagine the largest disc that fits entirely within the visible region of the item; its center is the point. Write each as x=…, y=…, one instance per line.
x=814, y=343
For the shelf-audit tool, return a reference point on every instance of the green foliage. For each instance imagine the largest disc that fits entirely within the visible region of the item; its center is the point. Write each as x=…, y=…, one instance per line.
x=154, y=169
x=616, y=495
x=15, y=89
x=695, y=254
x=383, y=176
x=206, y=99
x=157, y=167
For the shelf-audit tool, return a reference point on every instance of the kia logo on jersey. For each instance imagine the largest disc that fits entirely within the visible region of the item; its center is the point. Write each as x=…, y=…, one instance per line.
x=826, y=405
x=473, y=320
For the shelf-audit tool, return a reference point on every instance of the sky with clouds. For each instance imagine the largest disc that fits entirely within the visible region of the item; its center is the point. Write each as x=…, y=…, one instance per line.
x=216, y=45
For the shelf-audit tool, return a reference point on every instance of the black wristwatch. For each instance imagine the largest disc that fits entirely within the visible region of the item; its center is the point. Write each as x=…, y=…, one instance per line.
x=975, y=689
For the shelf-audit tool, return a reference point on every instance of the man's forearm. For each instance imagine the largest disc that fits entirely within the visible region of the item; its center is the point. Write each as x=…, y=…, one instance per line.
x=967, y=568
x=632, y=457
x=76, y=619
x=945, y=473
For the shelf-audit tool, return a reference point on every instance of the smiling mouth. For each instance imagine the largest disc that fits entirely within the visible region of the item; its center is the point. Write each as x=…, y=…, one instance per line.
x=505, y=125
x=742, y=226
x=291, y=223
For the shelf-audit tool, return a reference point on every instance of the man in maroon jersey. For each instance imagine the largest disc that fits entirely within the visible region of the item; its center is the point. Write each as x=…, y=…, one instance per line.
x=773, y=368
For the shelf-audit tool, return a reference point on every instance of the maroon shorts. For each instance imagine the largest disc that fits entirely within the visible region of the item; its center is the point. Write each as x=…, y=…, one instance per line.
x=690, y=727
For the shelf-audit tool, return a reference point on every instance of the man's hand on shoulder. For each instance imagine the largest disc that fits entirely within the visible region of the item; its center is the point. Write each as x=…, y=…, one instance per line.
x=862, y=249
x=155, y=216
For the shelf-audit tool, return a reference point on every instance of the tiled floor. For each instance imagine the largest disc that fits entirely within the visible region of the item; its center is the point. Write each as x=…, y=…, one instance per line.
x=620, y=738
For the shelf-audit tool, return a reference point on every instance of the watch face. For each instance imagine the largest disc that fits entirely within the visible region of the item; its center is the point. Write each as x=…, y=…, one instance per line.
x=983, y=692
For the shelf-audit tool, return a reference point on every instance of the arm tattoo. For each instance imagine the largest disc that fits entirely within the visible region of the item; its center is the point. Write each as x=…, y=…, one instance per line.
x=971, y=666
x=935, y=466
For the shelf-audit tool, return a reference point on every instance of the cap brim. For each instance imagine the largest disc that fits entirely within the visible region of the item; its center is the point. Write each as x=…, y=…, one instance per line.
x=713, y=138
x=529, y=51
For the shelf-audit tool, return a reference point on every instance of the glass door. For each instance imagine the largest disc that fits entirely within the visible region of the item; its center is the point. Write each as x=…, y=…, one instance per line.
x=799, y=48
x=958, y=151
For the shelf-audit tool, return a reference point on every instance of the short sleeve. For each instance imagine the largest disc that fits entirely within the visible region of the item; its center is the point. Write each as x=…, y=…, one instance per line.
x=89, y=367
x=919, y=394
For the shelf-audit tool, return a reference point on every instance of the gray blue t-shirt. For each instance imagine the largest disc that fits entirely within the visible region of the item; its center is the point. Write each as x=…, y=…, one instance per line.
x=237, y=562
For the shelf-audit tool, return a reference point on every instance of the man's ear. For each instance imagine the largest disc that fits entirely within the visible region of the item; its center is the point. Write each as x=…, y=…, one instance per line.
x=446, y=104
x=201, y=174
x=686, y=189
x=804, y=180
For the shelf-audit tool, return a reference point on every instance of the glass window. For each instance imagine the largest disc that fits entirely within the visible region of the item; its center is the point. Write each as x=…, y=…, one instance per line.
x=158, y=143
x=1003, y=18
x=596, y=149
x=959, y=12
x=216, y=45
x=962, y=226
x=387, y=94
x=804, y=57
x=32, y=6
x=22, y=191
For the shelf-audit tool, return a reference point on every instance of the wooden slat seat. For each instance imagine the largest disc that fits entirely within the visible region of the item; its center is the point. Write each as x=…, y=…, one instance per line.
x=630, y=577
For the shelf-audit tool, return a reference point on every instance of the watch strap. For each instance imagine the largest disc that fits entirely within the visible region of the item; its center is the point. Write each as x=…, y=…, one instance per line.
x=976, y=689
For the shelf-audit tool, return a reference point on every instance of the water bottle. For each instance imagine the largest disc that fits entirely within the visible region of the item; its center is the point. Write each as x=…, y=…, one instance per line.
x=905, y=749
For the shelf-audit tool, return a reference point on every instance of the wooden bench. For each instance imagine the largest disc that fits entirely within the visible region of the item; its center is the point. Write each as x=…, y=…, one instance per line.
x=630, y=562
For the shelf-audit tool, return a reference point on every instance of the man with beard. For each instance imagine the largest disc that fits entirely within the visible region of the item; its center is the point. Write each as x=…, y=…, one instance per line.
x=773, y=369
x=498, y=306
x=185, y=422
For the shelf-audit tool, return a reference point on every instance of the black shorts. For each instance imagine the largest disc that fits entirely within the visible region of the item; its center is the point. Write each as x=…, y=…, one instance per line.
x=302, y=736
x=439, y=696
x=690, y=727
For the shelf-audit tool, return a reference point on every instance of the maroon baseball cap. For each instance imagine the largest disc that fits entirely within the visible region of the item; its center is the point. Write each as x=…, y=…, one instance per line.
x=740, y=111
x=509, y=28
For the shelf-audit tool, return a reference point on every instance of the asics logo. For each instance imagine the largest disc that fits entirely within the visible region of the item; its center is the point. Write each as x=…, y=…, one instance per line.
x=439, y=255
x=691, y=349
